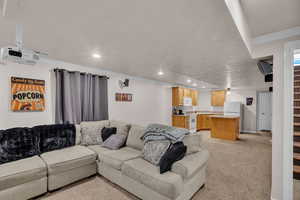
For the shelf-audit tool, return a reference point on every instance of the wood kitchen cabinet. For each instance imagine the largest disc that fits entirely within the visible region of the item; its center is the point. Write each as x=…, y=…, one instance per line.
x=187, y=92
x=203, y=122
x=223, y=127
x=178, y=94
x=194, y=94
x=218, y=97
x=180, y=121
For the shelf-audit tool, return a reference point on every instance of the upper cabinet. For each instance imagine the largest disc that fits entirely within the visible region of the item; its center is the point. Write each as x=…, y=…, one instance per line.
x=194, y=97
x=218, y=97
x=178, y=94
x=187, y=92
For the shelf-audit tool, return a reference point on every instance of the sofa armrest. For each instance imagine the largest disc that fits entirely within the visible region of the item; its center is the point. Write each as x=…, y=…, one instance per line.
x=190, y=164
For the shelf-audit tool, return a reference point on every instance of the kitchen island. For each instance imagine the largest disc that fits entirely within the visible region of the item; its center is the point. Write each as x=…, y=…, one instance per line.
x=225, y=127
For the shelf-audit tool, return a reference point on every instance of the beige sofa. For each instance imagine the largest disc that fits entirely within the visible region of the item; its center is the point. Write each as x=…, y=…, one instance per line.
x=23, y=179
x=125, y=167
x=68, y=165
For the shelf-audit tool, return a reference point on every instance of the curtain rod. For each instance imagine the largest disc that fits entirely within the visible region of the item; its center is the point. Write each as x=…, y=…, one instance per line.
x=101, y=76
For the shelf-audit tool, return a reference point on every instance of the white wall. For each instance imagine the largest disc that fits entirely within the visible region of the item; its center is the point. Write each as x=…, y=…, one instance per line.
x=249, y=123
x=152, y=102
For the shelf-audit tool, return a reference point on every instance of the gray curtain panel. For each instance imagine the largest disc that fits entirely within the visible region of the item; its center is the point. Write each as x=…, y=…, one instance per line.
x=80, y=97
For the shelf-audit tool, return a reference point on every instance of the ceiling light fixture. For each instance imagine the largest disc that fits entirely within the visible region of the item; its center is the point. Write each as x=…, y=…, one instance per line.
x=189, y=80
x=194, y=84
x=160, y=73
x=96, y=55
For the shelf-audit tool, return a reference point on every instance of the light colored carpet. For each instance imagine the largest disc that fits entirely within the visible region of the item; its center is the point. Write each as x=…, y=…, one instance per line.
x=239, y=170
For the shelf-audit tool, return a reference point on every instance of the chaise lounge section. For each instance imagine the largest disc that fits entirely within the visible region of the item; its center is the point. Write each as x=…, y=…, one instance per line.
x=23, y=179
x=68, y=165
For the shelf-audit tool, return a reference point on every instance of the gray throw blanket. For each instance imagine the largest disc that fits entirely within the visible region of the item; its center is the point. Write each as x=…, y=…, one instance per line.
x=158, y=138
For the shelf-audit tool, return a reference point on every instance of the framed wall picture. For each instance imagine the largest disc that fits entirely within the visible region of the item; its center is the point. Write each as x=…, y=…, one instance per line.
x=249, y=101
x=27, y=94
x=123, y=97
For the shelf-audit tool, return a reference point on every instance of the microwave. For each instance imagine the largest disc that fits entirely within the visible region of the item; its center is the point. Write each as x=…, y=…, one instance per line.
x=187, y=101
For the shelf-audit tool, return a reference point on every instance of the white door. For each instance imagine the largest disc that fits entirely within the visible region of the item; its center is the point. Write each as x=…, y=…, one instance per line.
x=264, y=111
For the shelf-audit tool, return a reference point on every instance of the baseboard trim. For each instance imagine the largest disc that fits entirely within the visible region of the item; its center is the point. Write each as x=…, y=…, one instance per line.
x=248, y=131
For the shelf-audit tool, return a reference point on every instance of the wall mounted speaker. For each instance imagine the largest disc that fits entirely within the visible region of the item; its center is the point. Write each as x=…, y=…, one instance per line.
x=269, y=78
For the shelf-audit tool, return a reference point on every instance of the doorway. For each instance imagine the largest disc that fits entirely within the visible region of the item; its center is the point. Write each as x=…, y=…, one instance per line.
x=264, y=111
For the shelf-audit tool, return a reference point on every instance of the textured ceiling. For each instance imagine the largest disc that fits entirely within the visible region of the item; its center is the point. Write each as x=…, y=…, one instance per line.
x=268, y=16
x=138, y=37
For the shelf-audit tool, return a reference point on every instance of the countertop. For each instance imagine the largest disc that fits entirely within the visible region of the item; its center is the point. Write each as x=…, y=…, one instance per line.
x=200, y=113
x=225, y=116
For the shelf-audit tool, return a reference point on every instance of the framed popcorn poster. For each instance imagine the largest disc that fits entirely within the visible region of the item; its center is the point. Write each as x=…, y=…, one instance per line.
x=27, y=94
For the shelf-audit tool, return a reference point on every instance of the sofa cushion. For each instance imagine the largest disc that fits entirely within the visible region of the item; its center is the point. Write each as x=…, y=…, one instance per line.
x=168, y=184
x=21, y=171
x=18, y=143
x=193, y=142
x=134, y=137
x=99, y=150
x=68, y=158
x=57, y=136
x=190, y=164
x=122, y=127
x=116, y=158
x=91, y=132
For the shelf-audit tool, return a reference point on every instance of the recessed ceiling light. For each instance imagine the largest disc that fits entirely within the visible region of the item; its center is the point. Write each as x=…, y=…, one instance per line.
x=96, y=55
x=189, y=80
x=203, y=87
x=160, y=73
x=194, y=84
